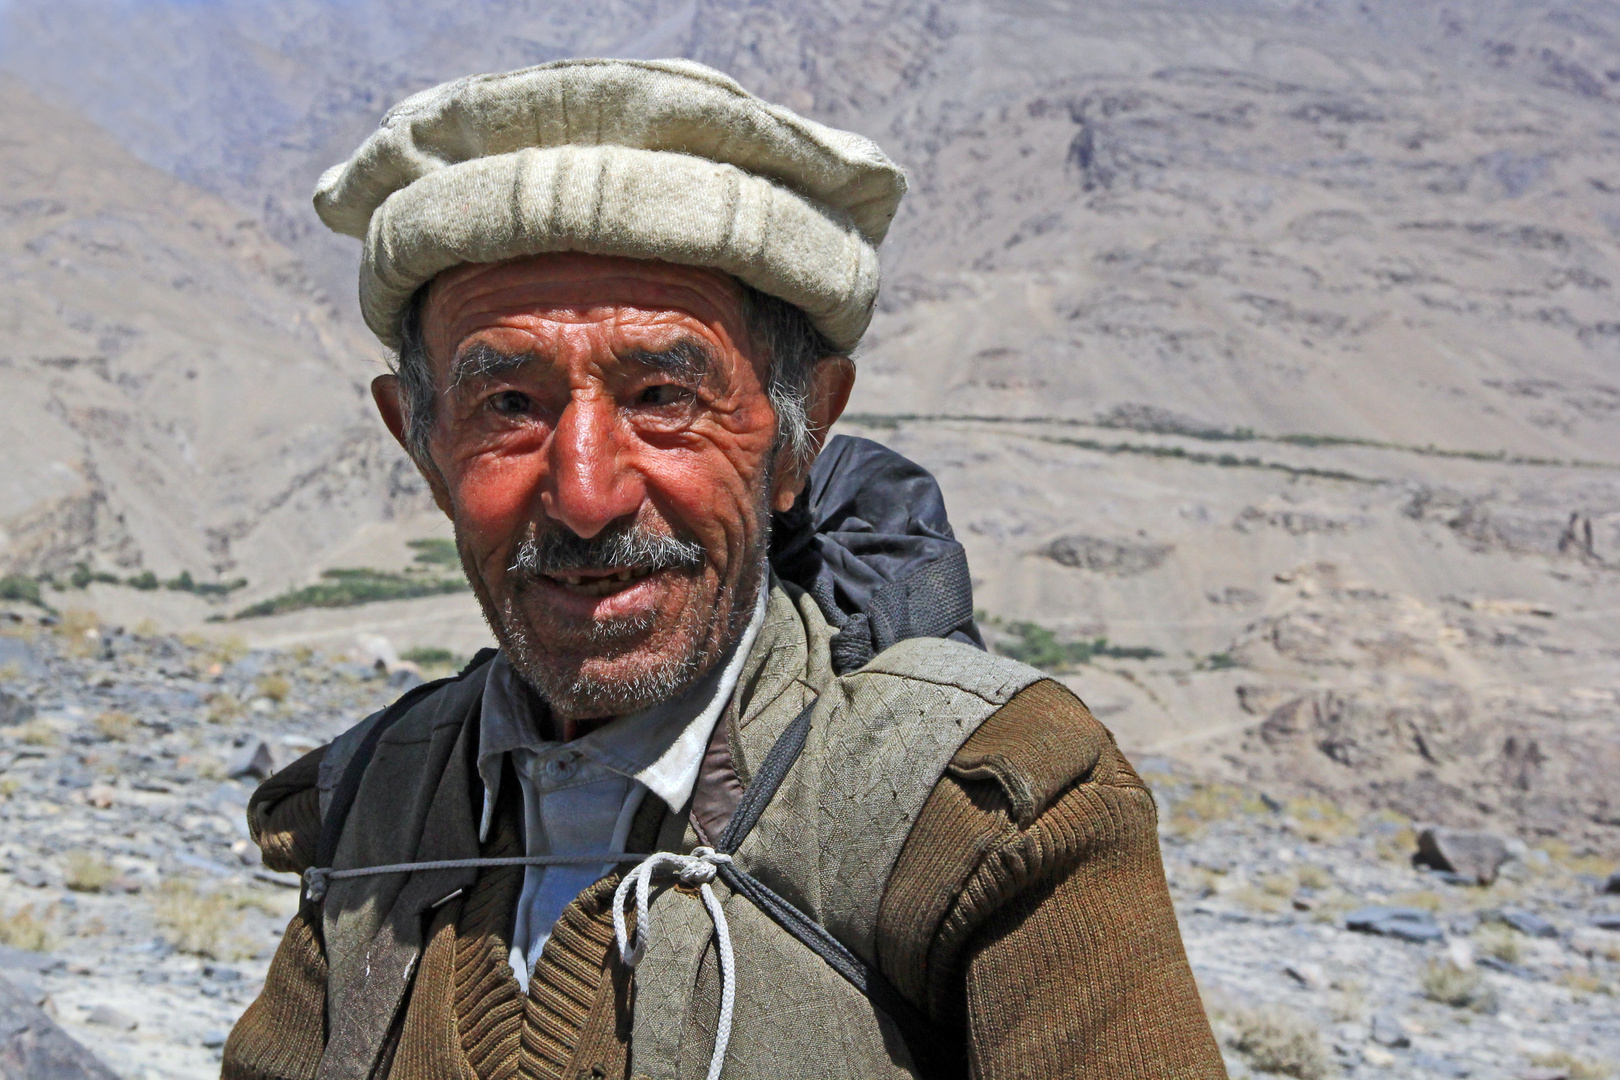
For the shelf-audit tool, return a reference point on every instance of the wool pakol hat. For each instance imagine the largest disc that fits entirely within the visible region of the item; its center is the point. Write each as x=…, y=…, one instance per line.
x=662, y=159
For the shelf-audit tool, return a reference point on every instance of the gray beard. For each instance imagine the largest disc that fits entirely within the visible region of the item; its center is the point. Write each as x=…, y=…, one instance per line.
x=579, y=693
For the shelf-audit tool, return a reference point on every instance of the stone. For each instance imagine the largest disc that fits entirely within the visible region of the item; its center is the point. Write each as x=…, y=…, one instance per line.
x=1377, y=1058
x=1607, y=922
x=254, y=758
x=213, y=1040
x=1387, y=1031
x=1527, y=923
x=33, y=1047
x=1437, y=1065
x=1308, y=975
x=1612, y=886
x=14, y=709
x=107, y=1016
x=1408, y=924
x=1472, y=855
x=404, y=676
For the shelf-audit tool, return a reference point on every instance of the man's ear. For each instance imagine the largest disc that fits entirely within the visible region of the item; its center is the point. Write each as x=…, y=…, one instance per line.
x=386, y=392
x=832, y=381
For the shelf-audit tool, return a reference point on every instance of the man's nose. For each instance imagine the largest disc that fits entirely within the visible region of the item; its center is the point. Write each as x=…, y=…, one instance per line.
x=592, y=484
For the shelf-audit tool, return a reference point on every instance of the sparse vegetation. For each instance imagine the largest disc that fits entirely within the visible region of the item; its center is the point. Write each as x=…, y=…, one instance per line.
x=88, y=872
x=37, y=732
x=223, y=707
x=273, y=686
x=22, y=929
x=147, y=581
x=196, y=922
x=1497, y=941
x=1461, y=988
x=23, y=589
x=1275, y=1039
x=434, y=551
x=1318, y=820
x=114, y=725
x=1576, y=1068
x=1201, y=804
x=891, y=421
x=349, y=587
x=1040, y=647
x=428, y=657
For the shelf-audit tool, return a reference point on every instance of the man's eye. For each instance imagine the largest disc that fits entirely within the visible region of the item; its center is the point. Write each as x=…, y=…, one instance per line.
x=510, y=403
x=662, y=394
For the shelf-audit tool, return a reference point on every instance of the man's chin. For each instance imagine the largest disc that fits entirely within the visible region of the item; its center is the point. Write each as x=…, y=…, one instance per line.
x=601, y=686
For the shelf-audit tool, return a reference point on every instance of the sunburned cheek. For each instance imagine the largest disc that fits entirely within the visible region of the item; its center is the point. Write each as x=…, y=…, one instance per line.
x=496, y=497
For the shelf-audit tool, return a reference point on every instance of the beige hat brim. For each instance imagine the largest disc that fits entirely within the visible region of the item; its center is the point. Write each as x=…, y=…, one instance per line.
x=616, y=200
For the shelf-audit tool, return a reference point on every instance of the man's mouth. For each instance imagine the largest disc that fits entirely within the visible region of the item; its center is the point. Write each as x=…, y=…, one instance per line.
x=599, y=582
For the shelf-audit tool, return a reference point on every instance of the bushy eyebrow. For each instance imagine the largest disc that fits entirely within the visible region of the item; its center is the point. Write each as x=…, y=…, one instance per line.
x=687, y=359
x=481, y=361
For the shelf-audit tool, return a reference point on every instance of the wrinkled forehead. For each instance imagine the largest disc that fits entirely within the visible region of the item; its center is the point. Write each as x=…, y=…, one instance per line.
x=471, y=301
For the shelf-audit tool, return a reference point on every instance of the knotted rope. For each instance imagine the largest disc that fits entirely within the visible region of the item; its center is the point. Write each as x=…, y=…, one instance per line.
x=698, y=868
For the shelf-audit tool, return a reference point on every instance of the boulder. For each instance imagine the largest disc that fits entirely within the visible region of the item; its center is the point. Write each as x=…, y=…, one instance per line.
x=1474, y=856
x=33, y=1047
x=1612, y=886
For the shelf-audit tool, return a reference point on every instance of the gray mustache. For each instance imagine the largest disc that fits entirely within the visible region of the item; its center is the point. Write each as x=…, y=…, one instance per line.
x=629, y=546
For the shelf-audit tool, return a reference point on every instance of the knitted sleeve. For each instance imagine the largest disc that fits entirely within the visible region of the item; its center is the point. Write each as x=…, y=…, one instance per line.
x=282, y=1034
x=1029, y=912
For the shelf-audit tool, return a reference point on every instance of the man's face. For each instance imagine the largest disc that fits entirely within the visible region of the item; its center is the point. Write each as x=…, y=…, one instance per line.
x=603, y=443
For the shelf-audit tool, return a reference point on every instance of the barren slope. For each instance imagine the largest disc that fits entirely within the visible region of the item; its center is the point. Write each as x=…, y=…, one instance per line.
x=1275, y=337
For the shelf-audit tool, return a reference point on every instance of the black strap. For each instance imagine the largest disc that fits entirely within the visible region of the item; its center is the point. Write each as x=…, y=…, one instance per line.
x=922, y=1037
x=348, y=785
x=762, y=786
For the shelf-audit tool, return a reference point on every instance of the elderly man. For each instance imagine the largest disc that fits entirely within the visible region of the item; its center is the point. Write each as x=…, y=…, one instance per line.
x=738, y=794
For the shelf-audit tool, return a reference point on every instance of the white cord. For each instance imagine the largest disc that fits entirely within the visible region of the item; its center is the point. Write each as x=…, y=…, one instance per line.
x=698, y=868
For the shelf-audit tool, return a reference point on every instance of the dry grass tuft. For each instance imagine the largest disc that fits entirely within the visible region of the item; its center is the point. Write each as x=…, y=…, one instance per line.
x=274, y=687
x=223, y=707
x=37, y=732
x=1318, y=820
x=1575, y=1068
x=88, y=872
x=1460, y=988
x=1275, y=1039
x=22, y=929
x=80, y=632
x=196, y=922
x=1496, y=940
x=1585, y=983
x=1204, y=804
x=115, y=725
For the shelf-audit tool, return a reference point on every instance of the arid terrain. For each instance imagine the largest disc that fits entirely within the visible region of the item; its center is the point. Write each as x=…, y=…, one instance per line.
x=1266, y=351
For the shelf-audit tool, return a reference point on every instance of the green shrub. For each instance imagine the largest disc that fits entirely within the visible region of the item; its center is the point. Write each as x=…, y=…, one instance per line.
x=349, y=587
x=17, y=587
x=433, y=551
x=1040, y=647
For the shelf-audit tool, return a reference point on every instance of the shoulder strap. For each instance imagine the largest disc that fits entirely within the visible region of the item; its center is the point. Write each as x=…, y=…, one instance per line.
x=348, y=785
x=922, y=1037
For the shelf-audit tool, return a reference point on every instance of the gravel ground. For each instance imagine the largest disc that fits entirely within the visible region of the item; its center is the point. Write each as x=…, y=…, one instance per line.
x=132, y=905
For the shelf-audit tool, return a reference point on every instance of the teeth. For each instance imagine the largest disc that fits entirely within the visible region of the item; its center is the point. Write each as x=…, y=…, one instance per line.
x=602, y=586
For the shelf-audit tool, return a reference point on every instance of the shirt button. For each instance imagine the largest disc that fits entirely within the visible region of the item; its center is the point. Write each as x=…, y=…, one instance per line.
x=562, y=766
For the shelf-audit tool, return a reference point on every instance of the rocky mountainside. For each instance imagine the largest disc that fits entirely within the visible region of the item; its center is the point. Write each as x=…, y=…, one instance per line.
x=180, y=398
x=1266, y=349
